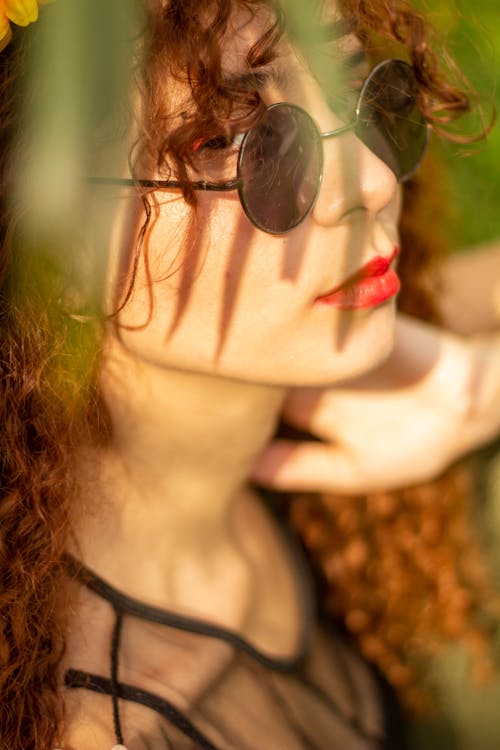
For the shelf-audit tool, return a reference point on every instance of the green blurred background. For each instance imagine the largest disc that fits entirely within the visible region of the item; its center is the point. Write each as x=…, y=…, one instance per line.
x=471, y=29
x=468, y=716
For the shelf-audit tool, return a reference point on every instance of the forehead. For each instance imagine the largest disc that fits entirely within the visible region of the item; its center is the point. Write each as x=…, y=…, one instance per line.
x=315, y=37
x=305, y=51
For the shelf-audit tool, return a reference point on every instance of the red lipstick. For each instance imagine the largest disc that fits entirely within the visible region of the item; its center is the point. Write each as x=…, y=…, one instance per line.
x=371, y=285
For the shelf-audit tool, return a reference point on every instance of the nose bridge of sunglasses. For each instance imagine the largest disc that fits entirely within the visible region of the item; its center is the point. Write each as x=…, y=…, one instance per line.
x=338, y=131
x=342, y=154
x=339, y=155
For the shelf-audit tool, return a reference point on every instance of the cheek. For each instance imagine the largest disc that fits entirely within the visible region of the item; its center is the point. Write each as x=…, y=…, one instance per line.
x=186, y=257
x=167, y=237
x=203, y=254
x=178, y=233
x=146, y=250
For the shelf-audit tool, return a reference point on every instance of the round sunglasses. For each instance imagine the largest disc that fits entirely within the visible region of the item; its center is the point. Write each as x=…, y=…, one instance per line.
x=280, y=158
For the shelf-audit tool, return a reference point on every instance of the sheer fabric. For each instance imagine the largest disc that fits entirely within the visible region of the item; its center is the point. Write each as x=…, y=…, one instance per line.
x=176, y=683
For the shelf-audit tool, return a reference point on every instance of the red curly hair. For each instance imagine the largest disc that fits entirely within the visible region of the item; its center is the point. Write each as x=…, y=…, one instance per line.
x=49, y=399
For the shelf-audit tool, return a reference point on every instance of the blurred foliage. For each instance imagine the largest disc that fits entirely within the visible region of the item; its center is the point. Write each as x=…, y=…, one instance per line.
x=76, y=90
x=471, y=33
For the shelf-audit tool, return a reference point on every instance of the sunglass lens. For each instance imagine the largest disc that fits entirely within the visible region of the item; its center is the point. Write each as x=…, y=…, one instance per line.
x=279, y=168
x=389, y=121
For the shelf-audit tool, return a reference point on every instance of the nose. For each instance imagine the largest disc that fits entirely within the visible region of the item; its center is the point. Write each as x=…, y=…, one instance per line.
x=353, y=177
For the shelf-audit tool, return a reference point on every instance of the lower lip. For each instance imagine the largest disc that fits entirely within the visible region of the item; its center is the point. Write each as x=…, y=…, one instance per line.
x=364, y=293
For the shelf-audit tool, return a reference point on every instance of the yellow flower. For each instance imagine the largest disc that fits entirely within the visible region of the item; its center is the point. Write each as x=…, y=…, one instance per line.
x=5, y=32
x=20, y=12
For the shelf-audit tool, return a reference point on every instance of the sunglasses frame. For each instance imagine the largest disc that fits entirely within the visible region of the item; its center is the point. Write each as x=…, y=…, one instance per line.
x=238, y=182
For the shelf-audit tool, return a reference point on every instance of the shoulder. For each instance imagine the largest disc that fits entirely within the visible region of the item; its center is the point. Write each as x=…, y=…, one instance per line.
x=87, y=725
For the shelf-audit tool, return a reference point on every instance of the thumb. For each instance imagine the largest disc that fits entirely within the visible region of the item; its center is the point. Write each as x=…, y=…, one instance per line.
x=291, y=466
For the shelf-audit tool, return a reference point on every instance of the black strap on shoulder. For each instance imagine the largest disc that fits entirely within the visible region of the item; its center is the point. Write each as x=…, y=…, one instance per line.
x=127, y=605
x=75, y=678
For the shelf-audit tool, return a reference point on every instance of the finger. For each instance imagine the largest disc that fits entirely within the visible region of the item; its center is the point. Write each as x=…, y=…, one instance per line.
x=315, y=410
x=308, y=467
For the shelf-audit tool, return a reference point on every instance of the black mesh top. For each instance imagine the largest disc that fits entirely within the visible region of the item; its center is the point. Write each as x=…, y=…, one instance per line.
x=178, y=683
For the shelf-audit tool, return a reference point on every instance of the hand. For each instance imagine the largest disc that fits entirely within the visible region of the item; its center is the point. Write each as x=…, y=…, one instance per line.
x=435, y=398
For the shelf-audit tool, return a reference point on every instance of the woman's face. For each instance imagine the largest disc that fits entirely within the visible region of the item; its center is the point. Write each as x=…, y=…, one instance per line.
x=232, y=300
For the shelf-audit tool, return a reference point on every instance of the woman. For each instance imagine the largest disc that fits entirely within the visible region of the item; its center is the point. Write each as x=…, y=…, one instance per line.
x=140, y=569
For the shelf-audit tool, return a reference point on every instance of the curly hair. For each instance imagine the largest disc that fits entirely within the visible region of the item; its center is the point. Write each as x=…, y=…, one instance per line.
x=49, y=399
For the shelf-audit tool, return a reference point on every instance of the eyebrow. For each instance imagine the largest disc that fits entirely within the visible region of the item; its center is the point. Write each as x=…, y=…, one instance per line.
x=254, y=80
x=272, y=74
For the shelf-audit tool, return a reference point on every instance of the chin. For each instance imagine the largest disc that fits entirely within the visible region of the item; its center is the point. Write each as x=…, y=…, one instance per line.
x=317, y=355
x=359, y=344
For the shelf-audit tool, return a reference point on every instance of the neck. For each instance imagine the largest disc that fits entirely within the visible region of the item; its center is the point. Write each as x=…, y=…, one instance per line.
x=163, y=492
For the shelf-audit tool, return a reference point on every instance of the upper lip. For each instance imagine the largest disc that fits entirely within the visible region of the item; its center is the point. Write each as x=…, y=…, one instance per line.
x=377, y=266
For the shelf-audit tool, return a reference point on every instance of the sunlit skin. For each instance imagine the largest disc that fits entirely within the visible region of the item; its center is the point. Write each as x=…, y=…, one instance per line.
x=194, y=382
